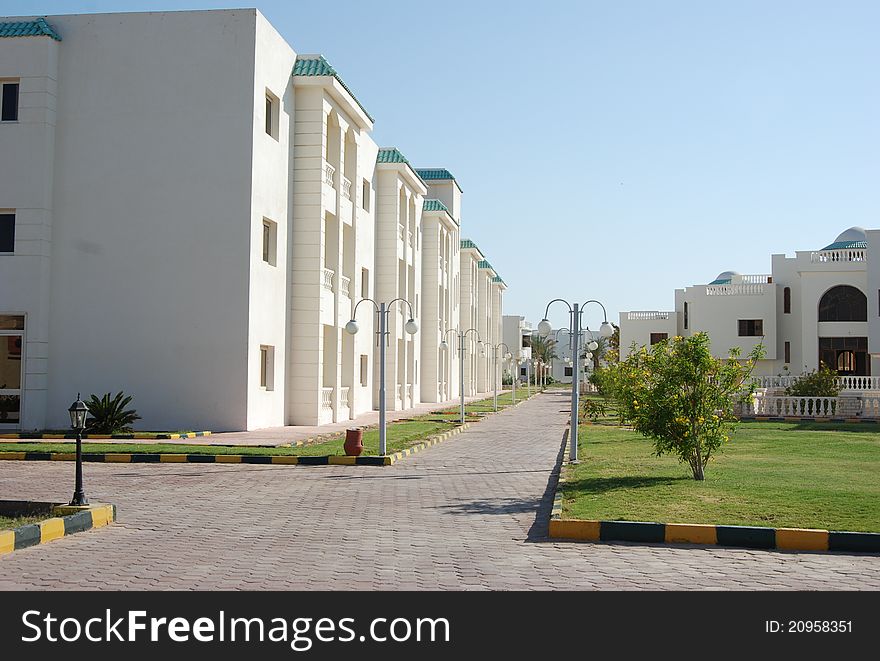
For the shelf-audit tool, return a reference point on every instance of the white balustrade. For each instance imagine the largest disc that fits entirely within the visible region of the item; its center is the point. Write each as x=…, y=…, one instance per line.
x=755, y=279
x=400, y=232
x=327, y=398
x=869, y=407
x=329, y=175
x=409, y=392
x=328, y=278
x=345, y=286
x=845, y=255
x=400, y=391
x=647, y=315
x=346, y=187
x=409, y=236
x=797, y=407
x=843, y=382
x=735, y=290
x=345, y=397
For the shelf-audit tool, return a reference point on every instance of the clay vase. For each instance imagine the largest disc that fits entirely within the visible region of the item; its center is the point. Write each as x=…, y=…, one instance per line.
x=354, y=442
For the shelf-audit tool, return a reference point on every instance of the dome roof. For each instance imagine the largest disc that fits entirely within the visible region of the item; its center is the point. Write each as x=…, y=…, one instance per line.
x=854, y=237
x=724, y=278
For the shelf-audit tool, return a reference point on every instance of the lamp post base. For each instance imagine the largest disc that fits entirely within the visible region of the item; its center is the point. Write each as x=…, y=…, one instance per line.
x=79, y=500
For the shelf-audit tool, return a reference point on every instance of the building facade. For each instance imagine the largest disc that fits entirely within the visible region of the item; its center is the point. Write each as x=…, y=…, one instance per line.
x=200, y=240
x=819, y=307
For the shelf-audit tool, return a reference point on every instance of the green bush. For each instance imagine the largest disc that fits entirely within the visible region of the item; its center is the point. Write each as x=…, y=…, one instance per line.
x=108, y=415
x=818, y=383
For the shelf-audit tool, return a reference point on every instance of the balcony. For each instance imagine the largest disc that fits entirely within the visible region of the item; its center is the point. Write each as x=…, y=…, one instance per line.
x=328, y=279
x=329, y=175
x=409, y=236
x=327, y=398
x=647, y=315
x=345, y=397
x=400, y=232
x=346, y=187
x=345, y=286
x=735, y=290
x=858, y=255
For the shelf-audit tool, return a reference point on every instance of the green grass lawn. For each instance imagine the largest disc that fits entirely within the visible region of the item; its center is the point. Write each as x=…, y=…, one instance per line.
x=401, y=435
x=10, y=522
x=802, y=475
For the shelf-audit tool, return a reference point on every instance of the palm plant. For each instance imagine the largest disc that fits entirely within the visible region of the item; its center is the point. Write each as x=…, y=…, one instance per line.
x=543, y=350
x=108, y=415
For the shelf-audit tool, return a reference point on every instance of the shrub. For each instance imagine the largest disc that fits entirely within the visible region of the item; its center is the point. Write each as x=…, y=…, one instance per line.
x=682, y=397
x=108, y=415
x=818, y=383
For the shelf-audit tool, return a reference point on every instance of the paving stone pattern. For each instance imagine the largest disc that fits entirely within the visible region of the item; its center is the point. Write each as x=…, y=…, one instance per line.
x=468, y=514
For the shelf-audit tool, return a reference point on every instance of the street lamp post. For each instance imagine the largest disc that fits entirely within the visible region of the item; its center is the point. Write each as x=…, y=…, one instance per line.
x=462, y=335
x=411, y=327
x=495, y=367
x=78, y=412
x=606, y=330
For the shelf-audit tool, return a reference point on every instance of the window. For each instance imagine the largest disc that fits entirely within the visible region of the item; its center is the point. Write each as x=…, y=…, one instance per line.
x=365, y=196
x=846, y=361
x=267, y=367
x=685, y=315
x=751, y=327
x=7, y=231
x=843, y=303
x=11, y=345
x=522, y=371
x=365, y=283
x=9, y=102
x=270, y=241
x=568, y=371
x=786, y=300
x=272, y=114
x=658, y=337
x=364, y=366
x=788, y=352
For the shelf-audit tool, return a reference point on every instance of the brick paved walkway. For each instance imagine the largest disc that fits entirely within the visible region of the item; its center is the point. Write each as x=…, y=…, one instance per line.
x=467, y=514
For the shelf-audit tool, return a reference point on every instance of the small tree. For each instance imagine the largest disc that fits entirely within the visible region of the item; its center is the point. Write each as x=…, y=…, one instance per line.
x=681, y=396
x=818, y=383
x=108, y=415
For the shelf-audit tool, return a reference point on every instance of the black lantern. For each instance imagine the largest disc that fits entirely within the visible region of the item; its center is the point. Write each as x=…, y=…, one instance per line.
x=78, y=412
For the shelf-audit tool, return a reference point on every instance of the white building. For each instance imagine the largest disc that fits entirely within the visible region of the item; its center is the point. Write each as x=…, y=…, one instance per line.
x=517, y=334
x=199, y=240
x=818, y=307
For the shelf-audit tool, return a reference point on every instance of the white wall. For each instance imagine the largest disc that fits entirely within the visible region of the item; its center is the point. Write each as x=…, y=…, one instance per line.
x=153, y=214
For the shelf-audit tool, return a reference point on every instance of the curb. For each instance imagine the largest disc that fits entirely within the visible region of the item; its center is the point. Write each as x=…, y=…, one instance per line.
x=750, y=537
x=130, y=437
x=284, y=460
x=74, y=521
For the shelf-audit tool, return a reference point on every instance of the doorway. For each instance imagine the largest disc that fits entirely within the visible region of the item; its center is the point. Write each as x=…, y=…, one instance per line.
x=848, y=356
x=11, y=369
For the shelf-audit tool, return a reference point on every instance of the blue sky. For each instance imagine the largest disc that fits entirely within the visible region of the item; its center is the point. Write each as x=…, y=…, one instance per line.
x=613, y=150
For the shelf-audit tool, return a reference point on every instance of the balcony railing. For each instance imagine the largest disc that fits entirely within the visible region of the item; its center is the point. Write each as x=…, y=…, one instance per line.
x=409, y=392
x=400, y=232
x=329, y=175
x=346, y=187
x=798, y=407
x=400, y=392
x=409, y=236
x=845, y=255
x=345, y=397
x=755, y=279
x=843, y=382
x=326, y=398
x=647, y=315
x=328, y=278
x=345, y=286
x=735, y=290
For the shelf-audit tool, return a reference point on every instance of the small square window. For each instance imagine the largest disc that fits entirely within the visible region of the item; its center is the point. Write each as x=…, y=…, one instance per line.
x=270, y=241
x=568, y=371
x=7, y=232
x=272, y=114
x=658, y=337
x=267, y=367
x=9, y=102
x=751, y=327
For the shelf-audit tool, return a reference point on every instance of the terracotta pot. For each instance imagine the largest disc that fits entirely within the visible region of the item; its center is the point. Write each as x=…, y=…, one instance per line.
x=354, y=442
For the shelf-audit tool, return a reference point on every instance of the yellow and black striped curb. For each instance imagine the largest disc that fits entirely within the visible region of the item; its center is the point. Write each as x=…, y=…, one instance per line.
x=791, y=418
x=751, y=537
x=284, y=460
x=36, y=436
x=73, y=520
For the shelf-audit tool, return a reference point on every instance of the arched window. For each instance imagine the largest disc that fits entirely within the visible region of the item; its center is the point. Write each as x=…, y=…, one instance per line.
x=843, y=303
x=786, y=300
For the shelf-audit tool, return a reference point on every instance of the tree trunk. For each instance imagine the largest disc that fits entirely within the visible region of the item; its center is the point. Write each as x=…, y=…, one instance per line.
x=698, y=471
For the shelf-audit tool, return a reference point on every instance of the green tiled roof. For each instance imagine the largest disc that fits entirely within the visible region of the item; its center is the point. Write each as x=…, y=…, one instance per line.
x=36, y=28
x=484, y=264
x=720, y=282
x=318, y=66
x=434, y=205
x=434, y=174
x=390, y=155
x=497, y=279
x=467, y=243
x=844, y=245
